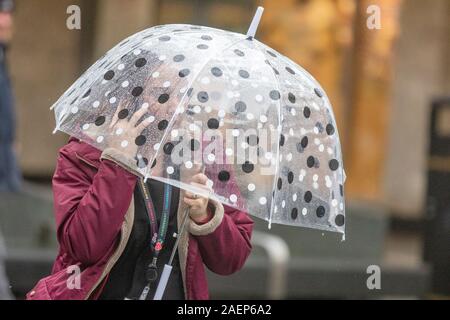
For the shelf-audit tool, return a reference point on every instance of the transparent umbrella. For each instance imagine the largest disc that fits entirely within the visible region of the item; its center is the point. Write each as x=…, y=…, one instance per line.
x=257, y=124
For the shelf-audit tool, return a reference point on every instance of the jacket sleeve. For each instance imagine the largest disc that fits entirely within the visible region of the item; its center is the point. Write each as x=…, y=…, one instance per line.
x=224, y=241
x=90, y=212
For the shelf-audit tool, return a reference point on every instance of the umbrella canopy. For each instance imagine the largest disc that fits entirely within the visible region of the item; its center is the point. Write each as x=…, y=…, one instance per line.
x=257, y=124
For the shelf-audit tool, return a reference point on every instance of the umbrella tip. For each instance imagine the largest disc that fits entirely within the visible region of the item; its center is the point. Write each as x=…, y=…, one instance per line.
x=55, y=131
x=255, y=22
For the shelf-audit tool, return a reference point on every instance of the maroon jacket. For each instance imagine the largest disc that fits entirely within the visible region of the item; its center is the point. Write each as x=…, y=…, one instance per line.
x=94, y=210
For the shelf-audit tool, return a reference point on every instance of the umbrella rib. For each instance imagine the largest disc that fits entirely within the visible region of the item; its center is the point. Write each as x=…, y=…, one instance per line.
x=279, y=128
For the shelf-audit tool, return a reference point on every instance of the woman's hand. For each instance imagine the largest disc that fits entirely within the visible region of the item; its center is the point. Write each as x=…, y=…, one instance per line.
x=124, y=132
x=198, y=205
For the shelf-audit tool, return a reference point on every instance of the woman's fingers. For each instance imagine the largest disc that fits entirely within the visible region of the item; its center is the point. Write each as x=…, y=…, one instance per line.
x=199, y=178
x=144, y=124
x=138, y=115
x=115, y=118
x=202, y=190
x=194, y=203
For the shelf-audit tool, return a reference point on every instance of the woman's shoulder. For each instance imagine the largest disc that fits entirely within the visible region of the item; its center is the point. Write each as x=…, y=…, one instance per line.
x=76, y=149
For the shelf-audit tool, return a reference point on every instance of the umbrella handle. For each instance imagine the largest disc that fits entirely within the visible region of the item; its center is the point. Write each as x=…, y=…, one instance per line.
x=163, y=282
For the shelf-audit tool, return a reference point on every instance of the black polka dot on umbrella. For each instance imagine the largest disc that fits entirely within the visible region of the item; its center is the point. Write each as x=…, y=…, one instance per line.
x=239, y=53
x=275, y=95
x=163, y=98
x=86, y=94
x=142, y=162
x=271, y=53
x=290, y=177
x=84, y=82
x=282, y=140
x=308, y=196
x=190, y=110
x=103, y=63
x=341, y=190
x=140, y=140
x=240, y=106
x=244, y=74
x=334, y=164
x=178, y=58
x=291, y=97
x=306, y=112
x=137, y=91
x=294, y=213
x=164, y=38
x=74, y=100
x=140, y=62
x=304, y=142
x=318, y=92
x=319, y=127
x=330, y=129
x=224, y=176
x=311, y=162
x=276, y=71
x=217, y=72
x=320, y=211
x=248, y=167
x=289, y=69
x=184, y=73
x=279, y=183
x=162, y=125
x=202, y=46
x=109, y=75
x=100, y=121
x=213, y=123
x=71, y=92
x=339, y=220
x=203, y=96
x=206, y=37
x=168, y=148
x=123, y=114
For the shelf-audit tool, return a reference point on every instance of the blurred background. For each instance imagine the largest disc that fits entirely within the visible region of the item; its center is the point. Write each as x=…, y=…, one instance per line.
x=390, y=88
